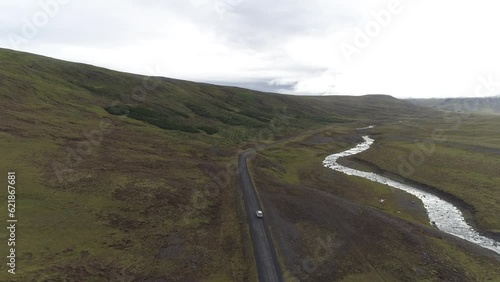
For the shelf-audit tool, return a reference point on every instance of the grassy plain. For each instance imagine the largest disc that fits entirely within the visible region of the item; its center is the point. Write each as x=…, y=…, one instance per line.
x=457, y=154
x=374, y=240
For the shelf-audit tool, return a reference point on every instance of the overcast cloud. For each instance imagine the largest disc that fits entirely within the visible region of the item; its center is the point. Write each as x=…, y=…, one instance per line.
x=425, y=49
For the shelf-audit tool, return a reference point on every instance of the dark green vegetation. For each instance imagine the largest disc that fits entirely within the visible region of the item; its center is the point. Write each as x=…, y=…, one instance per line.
x=123, y=177
x=339, y=224
x=489, y=105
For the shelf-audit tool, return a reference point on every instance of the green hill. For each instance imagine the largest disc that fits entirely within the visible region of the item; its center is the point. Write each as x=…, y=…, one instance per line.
x=121, y=176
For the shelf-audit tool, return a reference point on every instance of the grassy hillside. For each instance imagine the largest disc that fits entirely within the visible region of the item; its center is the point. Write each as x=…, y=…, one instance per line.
x=490, y=105
x=127, y=177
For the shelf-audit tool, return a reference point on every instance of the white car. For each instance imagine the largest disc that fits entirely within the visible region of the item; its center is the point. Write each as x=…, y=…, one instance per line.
x=259, y=214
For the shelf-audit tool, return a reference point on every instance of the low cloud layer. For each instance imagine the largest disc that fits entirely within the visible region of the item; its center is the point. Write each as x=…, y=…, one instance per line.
x=402, y=48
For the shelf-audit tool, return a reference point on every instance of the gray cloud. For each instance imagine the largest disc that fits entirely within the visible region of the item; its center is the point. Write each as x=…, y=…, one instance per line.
x=283, y=45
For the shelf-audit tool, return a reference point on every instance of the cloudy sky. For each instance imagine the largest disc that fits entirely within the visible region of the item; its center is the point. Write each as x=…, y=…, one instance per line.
x=405, y=48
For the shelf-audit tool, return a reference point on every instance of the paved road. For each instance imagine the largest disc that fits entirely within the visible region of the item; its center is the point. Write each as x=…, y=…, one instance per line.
x=268, y=267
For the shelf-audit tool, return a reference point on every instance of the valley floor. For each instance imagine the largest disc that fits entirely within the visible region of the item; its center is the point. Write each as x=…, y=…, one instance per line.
x=329, y=226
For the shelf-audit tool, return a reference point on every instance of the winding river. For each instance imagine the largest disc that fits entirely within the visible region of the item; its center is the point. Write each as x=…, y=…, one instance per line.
x=442, y=214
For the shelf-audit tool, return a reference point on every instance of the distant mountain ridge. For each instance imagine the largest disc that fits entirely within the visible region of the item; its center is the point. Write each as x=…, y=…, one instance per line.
x=487, y=105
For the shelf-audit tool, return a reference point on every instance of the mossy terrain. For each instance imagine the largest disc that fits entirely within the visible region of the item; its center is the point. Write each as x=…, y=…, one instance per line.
x=124, y=177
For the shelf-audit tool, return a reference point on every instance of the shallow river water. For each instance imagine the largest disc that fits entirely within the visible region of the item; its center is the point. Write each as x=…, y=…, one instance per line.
x=444, y=215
